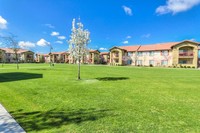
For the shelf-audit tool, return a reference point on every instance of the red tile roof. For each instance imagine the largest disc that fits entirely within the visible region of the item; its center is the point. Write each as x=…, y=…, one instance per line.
x=156, y=47
x=103, y=53
x=93, y=51
x=10, y=50
x=130, y=48
x=59, y=52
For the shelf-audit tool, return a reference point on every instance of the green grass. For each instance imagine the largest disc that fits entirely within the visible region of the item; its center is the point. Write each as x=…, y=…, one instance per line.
x=107, y=99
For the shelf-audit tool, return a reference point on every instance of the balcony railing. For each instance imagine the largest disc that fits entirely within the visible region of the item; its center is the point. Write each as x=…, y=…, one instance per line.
x=116, y=55
x=186, y=54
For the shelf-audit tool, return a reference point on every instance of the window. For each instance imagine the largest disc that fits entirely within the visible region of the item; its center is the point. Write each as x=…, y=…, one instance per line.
x=164, y=53
x=182, y=61
x=130, y=53
x=185, y=61
x=151, y=53
x=139, y=62
x=151, y=62
x=164, y=62
x=139, y=53
x=199, y=54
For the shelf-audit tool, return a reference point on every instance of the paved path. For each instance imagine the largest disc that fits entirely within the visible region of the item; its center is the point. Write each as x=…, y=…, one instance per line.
x=7, y=123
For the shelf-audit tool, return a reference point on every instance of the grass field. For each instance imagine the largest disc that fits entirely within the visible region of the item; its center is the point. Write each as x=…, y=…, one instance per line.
x=107, y=99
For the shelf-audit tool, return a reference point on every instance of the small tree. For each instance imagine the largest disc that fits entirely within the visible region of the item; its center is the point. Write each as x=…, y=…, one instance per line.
x=50, y=54
x=2, y=55
x=78, y=42
x=11, y=42
x=41, y=58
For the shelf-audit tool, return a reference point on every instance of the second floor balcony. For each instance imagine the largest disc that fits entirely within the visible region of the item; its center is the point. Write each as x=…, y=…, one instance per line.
x=115, y=55
x=186, y=54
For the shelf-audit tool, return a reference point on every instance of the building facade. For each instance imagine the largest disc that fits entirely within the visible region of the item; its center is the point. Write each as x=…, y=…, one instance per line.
x=93, y=57
x=177, y=54
x=104, y=58
x=8, y=55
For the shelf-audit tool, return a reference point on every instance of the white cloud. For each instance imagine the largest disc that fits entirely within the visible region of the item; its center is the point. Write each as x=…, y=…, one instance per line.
x=60, y=42
x=128, y=37
x=42, y=42
x=50, y=26
x=54, y=33
x=102, y=48
x=125, y=42
x=176, y=6
x=127, y=10
x=146, y=35
x=3, y=23
x=61, y=37
x=25, y=45
x=193, y=40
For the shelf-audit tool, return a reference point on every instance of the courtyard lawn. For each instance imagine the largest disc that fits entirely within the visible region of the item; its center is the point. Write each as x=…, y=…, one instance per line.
x=107, y=99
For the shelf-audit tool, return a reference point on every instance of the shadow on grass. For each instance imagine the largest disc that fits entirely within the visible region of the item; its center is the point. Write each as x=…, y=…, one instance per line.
x=15, y=76
x=39, y=120
x=112, y=78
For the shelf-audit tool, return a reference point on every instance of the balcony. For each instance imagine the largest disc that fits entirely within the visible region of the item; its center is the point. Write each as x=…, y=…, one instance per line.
x=186, y=54
x=115, y=55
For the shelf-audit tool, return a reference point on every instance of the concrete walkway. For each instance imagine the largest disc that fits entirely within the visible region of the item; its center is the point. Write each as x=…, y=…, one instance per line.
x=8, y=124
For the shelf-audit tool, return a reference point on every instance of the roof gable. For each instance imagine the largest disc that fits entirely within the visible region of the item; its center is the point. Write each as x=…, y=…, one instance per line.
x=195, y=43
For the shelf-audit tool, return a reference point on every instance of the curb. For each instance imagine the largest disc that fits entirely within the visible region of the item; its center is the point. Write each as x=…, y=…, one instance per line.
x=8, y=123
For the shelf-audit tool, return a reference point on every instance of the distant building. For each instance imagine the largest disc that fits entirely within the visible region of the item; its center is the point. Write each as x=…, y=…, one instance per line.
x=104, y=58
x=8, y=55
x=93, y=57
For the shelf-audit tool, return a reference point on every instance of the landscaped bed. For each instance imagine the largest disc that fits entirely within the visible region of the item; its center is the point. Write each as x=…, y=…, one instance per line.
x=107, y=99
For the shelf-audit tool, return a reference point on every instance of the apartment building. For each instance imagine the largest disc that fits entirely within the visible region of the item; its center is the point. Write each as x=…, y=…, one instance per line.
x=93, y=57
x=104, y=58
x=8, y=55
x=54, y=57
x=177, y=54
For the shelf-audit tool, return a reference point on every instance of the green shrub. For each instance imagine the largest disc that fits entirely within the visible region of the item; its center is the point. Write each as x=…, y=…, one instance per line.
x=151, y=65
x=188, y=67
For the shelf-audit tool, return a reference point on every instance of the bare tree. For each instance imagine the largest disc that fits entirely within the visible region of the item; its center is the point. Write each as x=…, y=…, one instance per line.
x=11, y=42
x=2, y=57
x=78, y=42
x=51, y=61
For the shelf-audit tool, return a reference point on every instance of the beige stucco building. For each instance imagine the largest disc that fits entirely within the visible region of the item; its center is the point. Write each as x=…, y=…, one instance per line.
x=177, y=54
x=104, y=57
x=92, y=57
x=23, y=55
x=54, y=57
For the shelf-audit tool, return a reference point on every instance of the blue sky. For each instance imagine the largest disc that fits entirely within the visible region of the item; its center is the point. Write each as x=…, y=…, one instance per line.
x=37, y=23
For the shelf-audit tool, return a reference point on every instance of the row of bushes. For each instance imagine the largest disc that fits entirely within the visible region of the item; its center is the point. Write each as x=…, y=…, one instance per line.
x=168, y=66
x=183, y=66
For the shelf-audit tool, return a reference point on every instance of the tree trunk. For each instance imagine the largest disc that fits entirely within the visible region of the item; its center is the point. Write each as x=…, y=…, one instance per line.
x=79, y=69
x=17, y=61
x=17, y=65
